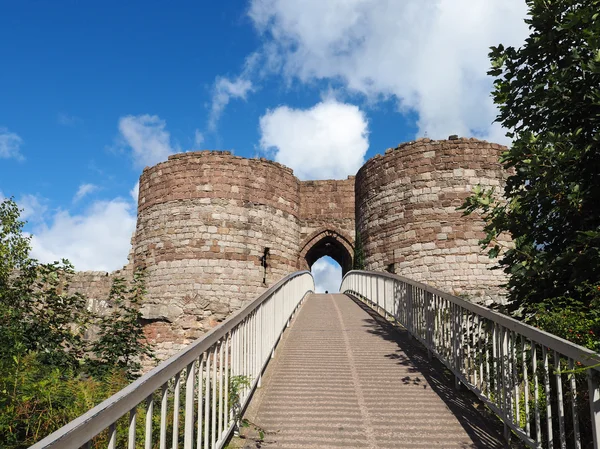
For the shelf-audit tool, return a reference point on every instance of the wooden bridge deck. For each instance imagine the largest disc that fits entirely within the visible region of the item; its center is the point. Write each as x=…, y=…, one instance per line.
x=344, y=377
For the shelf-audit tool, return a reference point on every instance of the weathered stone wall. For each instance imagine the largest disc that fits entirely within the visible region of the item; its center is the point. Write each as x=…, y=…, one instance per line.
x=406, y=206
x=94, y=286
x=325, y=206
x=204, y=221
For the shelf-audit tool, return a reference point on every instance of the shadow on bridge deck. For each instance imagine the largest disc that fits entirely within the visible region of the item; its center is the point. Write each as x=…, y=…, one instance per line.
x=345, y=377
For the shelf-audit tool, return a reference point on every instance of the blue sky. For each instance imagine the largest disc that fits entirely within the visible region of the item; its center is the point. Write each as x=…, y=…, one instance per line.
x=91, y=92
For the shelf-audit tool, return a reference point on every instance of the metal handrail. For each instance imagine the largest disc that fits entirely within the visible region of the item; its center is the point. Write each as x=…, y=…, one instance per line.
x=503, y=361
x=238, y=349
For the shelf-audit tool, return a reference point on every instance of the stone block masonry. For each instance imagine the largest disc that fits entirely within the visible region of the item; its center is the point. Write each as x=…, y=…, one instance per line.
x=406, y=202
x=215, y=230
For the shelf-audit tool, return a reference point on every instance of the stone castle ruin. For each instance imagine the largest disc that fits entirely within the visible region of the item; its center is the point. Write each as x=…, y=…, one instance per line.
x=215, y=230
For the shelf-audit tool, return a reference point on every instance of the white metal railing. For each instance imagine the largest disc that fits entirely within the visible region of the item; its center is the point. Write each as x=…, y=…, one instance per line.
x=538, y=384
x=200, y=391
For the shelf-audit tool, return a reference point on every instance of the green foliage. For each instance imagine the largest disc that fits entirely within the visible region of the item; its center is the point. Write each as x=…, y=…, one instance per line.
x=548, y=92
x=14, y=246
x=121, y=342
x=572, y=323
x=45, y=381
x=38, y=312
x=359, y=253
x=37, y=398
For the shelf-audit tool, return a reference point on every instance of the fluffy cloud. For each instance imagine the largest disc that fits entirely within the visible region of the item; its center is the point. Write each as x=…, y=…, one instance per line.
x=150, y=142
x=83, y=190
x=327, y=274
x=326, y=141
x=135, y=192
x=33, y=207
x=430, y=55
x=10, y=145
x=223, y=91
x=198, y=139
x=99, y=239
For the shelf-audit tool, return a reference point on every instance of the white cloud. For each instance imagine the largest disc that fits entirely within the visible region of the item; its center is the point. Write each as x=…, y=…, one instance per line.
x=83, y=190
x=198, y=139
x=149, y=140
x=327, y=274
x=431, y=55
x=135, y=192
x=10, y=145
x=224, y=90
x=68, y=120
x=99, y=239
x=33, y=207
x=326, y=141
x=227, y=89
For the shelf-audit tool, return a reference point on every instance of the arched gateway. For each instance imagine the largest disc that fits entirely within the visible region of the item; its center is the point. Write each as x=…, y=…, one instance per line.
x=327, y=242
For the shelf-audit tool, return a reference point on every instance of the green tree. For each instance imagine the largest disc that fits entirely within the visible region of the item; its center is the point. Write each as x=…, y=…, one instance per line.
x=14, y=246
x=44, y=382
x=37, y=311
x=359, y=253
x=548, y=92
x=121, y=343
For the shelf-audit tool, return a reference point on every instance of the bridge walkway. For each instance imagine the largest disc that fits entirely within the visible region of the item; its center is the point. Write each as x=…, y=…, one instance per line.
x=345, y=377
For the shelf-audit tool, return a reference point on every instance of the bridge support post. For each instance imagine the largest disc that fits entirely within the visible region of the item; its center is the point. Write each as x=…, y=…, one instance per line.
x=594, y=392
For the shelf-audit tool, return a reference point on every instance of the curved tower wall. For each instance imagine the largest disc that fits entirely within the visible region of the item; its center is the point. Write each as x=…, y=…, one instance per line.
x=204, y=221
x=406, y=206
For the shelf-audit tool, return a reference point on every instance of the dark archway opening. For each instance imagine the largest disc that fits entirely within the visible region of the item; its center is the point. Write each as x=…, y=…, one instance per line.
x=330, y=246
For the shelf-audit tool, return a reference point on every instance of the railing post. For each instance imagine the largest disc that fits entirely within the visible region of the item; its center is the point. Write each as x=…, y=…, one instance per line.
x=456, y=340
x=594, y=390
x=429, y=324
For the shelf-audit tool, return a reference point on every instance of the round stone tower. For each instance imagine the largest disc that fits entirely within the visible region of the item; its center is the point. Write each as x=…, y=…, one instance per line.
x=213, y=230
x=406, y=214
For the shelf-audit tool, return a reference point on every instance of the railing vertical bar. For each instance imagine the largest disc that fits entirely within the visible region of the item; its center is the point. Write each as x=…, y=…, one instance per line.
x=573, y=387
x=526, y=386
x=245, y=354
x=594, y=392
x=200, y=409
x=536, y=395
x=163, y=416
x=550, y=436
x=213, y=430
x=446, y=318
x=480, y=359
x=149, y=413
x=515, y=376
x=220, y=418
x=112, y=436
x=488, y=381
x=475, y=349
x=497, y=375
x=176, y=400
x=188, y=433
x=132, y=422
x=559, y=401
x=207, y=399
x=227, y=418
x=502, y=350
x=467, y=348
